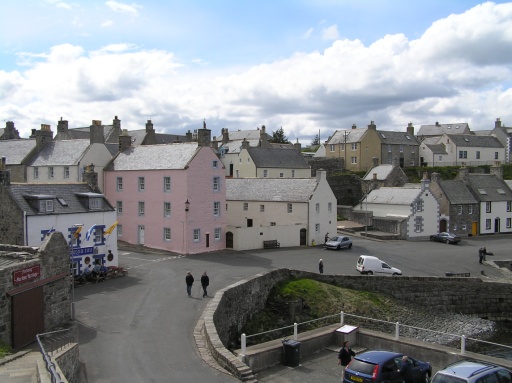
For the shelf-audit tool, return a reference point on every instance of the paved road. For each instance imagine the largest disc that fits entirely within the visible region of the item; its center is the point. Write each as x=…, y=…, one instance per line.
x=139, y=328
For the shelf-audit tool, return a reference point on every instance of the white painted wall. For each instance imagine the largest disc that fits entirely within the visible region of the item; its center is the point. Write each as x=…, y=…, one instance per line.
x=498, y=210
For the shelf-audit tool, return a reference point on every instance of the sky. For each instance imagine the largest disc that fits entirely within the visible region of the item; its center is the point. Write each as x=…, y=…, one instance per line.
x=310, y=67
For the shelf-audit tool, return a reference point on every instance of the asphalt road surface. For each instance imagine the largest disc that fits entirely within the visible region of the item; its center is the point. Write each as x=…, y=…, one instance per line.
x=139, y=328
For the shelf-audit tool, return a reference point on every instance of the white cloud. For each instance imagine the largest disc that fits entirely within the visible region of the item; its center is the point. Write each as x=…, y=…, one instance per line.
x=116, y=6
x=59, y=4
x=308, y=33
x=330, y=33
x=393, y=81
x=107, y=23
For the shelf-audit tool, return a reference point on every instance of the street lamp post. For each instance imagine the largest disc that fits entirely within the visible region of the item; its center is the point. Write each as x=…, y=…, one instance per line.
x=185, y=228
x=72, y=269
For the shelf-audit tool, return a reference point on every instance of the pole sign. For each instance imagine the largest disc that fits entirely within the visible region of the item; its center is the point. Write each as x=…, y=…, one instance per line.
x=27, y=274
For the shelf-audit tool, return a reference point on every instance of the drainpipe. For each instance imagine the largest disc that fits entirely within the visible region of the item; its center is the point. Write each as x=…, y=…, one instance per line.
x=25, y=228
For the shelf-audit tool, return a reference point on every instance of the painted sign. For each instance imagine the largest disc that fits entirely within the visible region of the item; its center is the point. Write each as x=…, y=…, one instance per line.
x=83, y=250
x=27, y=274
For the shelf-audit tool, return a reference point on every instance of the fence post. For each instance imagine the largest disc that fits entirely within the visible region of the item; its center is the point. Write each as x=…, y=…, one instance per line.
x=244, y=346
x=295, y=331
x=341, y=318
x=397, y=330
x=463, y=344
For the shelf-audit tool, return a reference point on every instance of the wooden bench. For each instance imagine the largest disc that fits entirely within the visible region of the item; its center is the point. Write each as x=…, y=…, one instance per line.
x=114, y=271
x=272, y=244
x=450, y=274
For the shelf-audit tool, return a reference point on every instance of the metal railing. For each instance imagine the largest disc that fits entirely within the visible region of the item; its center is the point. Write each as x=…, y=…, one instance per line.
x=51, y=342
x=394, y=327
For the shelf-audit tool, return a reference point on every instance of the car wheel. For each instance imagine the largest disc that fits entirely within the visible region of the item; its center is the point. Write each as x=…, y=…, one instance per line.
x=425, y=378
x=369, y=273
x=447, y=242
x=339, y=247
x=431, y=238
x=350, y=246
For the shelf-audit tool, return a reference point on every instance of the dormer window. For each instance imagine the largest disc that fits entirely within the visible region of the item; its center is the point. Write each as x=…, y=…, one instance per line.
x=95, y=203
x=46, y=205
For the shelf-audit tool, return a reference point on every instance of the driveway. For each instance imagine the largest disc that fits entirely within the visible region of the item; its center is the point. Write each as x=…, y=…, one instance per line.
x=139, y=328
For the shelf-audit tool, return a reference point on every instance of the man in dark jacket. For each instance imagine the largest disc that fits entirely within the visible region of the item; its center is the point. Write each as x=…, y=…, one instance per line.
x=205, y=281
x=189, y=280
x=405, y=370
x=344, y=357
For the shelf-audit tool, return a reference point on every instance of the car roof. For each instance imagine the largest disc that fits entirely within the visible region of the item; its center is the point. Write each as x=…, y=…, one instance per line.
x=466, y=368
x=377, y=356
x=368, y=256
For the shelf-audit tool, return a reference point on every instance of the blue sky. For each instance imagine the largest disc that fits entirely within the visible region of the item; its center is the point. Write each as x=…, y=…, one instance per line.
x=306, y=66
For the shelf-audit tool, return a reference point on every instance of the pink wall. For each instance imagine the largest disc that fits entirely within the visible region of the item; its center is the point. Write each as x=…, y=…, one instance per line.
x=194, y=183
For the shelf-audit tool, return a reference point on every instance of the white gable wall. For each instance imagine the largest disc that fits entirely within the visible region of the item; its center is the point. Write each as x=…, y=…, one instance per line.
x=429, y=215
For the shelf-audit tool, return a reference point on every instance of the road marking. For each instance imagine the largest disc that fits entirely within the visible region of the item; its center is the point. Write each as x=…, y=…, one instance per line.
x=152, y=260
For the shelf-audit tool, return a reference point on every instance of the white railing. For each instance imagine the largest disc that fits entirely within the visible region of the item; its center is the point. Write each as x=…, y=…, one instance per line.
x=395, y=325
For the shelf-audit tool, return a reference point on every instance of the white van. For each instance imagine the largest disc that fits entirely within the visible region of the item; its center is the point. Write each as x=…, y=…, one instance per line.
x=367, y=264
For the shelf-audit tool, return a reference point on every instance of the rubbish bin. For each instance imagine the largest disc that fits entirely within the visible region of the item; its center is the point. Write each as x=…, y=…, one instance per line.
x=291, y=352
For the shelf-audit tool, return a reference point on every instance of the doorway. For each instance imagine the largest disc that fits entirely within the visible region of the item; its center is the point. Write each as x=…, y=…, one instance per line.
x=442, y=225
x=27, y=316
x=142, y=230
x=303, y=239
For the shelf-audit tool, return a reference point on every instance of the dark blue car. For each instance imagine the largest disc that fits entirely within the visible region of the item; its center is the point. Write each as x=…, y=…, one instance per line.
x=382, y=367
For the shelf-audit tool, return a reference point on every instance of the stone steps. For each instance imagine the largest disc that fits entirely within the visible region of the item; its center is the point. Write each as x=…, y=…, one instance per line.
x=24, y=367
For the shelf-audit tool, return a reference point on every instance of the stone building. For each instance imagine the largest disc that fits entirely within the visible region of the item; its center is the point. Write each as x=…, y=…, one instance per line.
x=34, y=290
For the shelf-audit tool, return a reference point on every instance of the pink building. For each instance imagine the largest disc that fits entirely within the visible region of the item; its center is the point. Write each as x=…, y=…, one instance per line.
x=169, y=197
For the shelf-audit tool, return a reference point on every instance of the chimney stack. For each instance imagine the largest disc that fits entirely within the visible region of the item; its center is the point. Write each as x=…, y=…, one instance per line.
x=497, y=123
x=245, y=144
x=5, y=174
x=97, y=135
x=354, y=126
x=225, y=135
x=204, y=136
x=372, y=126
x=125, y=141
x=410, y=129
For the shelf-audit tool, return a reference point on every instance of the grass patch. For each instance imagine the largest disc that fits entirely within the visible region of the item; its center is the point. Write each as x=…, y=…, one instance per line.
x=4, y=350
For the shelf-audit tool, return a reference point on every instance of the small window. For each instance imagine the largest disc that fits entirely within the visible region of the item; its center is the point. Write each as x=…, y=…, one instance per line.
x=463, y=154
x=459, y=209
x=46, y=205
x=487, y=224
x=331, y=148
x=142, y=208
x=119, y=230
x=329, y=207
x=272, y=223
x=317, y=207
x=354, y=146
x=119, y=205
x=290, y=208
x=478, y=154
x=509, y=205
x=463, y=227
x=66, y=171
x=142, y=184
x=167, y=209
x=293, y=173
x=246, y=206
x=419, y=205
x=216, y=209
x=216, y=234
x=265, y=173
x=470, y=209
x=317, y=227
x=215, y=164
x=281, y=175
x=167, y=233
x=36, y=173
x=488, y=207
x=50, y=172
x=353, y=160
x=98, y=236
x=119, y=183
x=401, y=148
x=496, y=156
x=216, y=184
x=167, y=184
x=509, y=223
x=389, y=148
x=95, y=203
x=262, y=208
x=197, y=235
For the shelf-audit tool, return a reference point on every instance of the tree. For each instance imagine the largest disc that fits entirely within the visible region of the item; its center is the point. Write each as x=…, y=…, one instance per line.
x=278, y=137
x=316, y=140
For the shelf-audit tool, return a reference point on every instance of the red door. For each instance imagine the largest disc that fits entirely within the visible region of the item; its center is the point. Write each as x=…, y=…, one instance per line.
x=27, y=316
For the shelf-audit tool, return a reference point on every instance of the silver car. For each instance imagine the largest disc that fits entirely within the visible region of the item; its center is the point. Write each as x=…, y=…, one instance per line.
x=465, y=371
x=339, y=242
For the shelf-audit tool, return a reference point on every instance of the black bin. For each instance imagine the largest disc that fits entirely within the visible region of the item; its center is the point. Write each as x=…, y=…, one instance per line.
x=291, y=352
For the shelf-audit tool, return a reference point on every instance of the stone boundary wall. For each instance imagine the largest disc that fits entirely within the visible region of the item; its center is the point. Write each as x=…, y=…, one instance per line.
x=235, y=305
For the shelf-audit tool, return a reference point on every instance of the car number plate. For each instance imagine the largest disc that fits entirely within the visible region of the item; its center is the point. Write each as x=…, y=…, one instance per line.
x=356, y=378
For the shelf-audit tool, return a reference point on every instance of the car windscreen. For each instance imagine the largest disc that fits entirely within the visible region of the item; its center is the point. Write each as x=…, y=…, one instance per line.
x=361, y=366
x=442, y=378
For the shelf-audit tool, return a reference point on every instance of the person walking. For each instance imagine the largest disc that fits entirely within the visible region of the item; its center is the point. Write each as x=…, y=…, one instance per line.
x=405, y=370
x=480, y=255
x=205, y=281
x=189, y=280
x=344, y=357
x=326, y=238
x=321, y=266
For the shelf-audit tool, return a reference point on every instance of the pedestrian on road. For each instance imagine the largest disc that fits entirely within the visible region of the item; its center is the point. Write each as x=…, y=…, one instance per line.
x=405, y=370
x=480, y=255
x=344, y=357
x=321, y=266
x=189, y=280
x=205, y=281
x=326, y=238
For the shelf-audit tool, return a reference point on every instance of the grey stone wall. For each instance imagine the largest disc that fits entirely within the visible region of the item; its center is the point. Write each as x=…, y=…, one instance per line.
x=11, y=224
x=53, y=257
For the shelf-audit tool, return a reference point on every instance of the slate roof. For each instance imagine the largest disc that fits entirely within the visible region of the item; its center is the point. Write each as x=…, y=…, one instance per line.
x=67, y=152
x=155, y=157
x=457, y=192
x=277, y=158
x=437, y=148
x=240, y=135
x=487, y=187
x=270, y=189
x=383, y=171
x=69, y=192
x=353, y=135
x=236, y=146
x=482, y=132
x=15, y=151
x=394, y=195
x=440, y=129
x=83, y=133
x=470, y=140
x=397, y=138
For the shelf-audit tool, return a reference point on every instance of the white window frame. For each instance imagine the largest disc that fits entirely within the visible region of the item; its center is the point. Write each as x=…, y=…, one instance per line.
x=509, y=223
x=281, y=175
x=215, y=164
x=36, y=173
x=459, y=209
x=262, y=208
x=119, y=183
x=216, y=209
x=119, y=205
x=265, y=173
x=66, y=172
x=332, y=149
x=217, y=233
x=167, y=234
x=167, y=184
x=317, y=227
x=353, y=160
x=329, y=207
x=95, y=203
x=142, y=184
x=509, y=205
x=246, y=206
x=142, y=208
x=197, y=235
x=98, y=235
x=488, y=208
x=119, y=230
x=216, y=184
x=289, y=208
x=487, y=224
x=167, y=209
x=317, y=207
x=51, y=172
x=470, y=209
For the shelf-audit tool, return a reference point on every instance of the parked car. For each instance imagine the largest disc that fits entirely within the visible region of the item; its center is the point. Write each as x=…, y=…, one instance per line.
x=446, y=238
x=465, y=371
x=382, y=366
x=339, y=242
x=370, y=265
